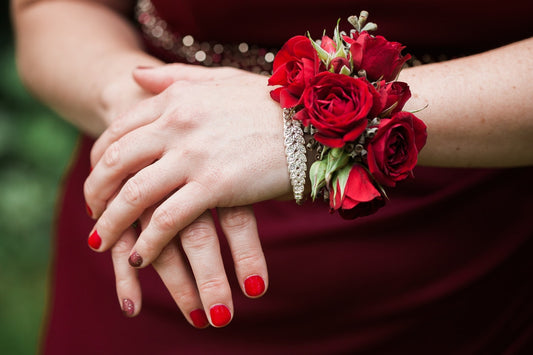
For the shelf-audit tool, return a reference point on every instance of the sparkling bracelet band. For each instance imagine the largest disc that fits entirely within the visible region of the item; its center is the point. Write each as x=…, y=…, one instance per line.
x=296, y=153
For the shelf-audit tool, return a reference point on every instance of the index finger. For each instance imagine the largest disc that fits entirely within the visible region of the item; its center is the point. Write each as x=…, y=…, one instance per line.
x=140, y=115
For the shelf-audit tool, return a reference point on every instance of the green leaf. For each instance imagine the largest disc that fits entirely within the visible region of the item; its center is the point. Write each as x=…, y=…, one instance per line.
x=342, y=177
x=345, y=70
x=317, y=175
x=336, y=159
x=322, y=54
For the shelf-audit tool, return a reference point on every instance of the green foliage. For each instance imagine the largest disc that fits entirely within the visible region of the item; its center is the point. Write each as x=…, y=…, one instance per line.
x=35, y=147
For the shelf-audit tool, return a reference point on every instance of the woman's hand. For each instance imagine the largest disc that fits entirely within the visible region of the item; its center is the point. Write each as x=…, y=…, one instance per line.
x=193, y=109
x=209, y=285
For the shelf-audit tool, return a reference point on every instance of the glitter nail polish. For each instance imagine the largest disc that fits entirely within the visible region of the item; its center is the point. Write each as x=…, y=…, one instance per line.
x=128, y=307
x=135, y=259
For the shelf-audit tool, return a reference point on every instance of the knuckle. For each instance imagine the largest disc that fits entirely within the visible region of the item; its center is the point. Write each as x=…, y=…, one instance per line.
x=197, y=236
x=211, y=286
x=185, y=296
x=177, y=89
x=248, y=258
x=133, y=191
x=112, y=154
x=168, y=256
x=123, y=245
x=237, y=219
x=117, y=127
x=165, y=220
x=123, y=283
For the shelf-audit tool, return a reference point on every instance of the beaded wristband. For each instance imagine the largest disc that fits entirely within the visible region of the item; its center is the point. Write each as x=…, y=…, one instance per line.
x=296, y=153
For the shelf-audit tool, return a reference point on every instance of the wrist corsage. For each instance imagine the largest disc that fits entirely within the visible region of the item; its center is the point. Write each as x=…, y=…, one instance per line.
x=342, y=95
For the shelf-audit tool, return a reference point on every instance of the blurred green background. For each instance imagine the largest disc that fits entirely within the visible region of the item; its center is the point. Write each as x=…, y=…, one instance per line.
x=35, y=148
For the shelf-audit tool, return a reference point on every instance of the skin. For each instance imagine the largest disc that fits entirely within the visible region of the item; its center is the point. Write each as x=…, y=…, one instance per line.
x=479, y=115
x=103, y=89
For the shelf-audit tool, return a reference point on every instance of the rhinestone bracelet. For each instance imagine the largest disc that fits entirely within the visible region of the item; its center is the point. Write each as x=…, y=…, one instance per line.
x=296, y=153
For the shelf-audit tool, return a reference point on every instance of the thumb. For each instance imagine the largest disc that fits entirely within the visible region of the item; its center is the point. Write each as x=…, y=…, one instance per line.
x=154, y=79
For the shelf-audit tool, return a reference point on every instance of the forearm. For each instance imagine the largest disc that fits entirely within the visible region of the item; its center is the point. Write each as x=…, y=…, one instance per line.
x=77, y=57
x=480, y=111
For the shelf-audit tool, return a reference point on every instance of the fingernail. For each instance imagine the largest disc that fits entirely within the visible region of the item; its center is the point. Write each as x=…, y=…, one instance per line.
x=89, y=211
x=220, y=315
x=143, y=67
x=254, y=286
x=199, y=318
x=135, y=259
x=128, y=307
x=94, y=240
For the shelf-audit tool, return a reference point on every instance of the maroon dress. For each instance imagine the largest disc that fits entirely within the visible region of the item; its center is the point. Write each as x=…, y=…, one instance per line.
x=445, y=268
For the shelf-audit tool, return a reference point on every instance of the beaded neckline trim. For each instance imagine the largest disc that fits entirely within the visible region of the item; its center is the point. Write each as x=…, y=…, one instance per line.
x=211, y=54
x=185, y=47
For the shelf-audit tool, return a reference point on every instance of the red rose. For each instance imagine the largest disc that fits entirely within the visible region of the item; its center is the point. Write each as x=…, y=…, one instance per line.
x=339, y=107
x=336, y=63
x=380, y=58
x=328, y=45
x=398, y=93
x=393, y=152
x=294, y=66
x=360, y=197
x=363, y=209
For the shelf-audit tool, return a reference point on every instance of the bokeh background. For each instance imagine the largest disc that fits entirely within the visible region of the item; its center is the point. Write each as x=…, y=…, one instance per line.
x=35, y=148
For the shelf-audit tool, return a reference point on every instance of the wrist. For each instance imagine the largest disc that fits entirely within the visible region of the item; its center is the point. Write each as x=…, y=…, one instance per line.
x=121, y=92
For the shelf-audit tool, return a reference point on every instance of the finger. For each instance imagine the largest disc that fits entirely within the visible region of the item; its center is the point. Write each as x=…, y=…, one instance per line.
x=156, y=79
x=141, y=191
x=200, y=243
x=171, y=216
x=175, y=274
x=140, y=115
x=127, y=283
x=123, y=157
x=240, y=228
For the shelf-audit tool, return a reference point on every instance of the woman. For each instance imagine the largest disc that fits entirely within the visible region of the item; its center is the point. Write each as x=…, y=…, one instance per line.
x=445, y=268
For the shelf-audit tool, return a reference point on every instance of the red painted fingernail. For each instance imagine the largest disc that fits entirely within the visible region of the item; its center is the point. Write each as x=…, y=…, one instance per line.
x=128, y=307
x=220, y=315
x=135, y=259
x=89, y=211
x=254, y=286
x=94, y=240
x=199, y=318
